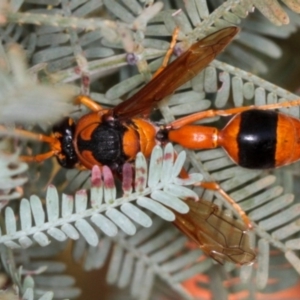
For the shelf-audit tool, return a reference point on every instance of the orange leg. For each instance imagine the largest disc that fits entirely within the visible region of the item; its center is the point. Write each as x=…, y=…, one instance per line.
x=88, y=102
x=216, y=187
x=51, y=140
x=92, y=105
x=37, y=158
x=227, y=112
x=169, y=52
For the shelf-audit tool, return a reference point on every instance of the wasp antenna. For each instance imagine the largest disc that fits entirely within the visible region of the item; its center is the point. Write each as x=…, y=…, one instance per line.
x=28, y=135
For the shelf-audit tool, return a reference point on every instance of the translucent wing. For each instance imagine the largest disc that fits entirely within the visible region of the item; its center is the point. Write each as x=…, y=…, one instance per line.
x=219, y=236
x=181, y=70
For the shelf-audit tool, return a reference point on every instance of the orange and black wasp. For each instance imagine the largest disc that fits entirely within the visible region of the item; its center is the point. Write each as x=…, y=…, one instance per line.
x=114, y=136
x=254, y=138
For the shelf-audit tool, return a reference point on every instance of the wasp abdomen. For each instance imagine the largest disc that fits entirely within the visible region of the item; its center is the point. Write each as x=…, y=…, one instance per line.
x=260, y=139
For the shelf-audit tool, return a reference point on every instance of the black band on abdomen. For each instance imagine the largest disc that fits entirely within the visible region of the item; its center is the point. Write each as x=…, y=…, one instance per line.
x=257, y=139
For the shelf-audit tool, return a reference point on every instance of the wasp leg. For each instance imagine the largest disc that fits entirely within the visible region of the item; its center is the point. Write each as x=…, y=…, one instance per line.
x=80, y=167
x=88, y=102
x=37, y=158
x=228, y=112
x=216, y=187
x=169, y=52
x=51, y=140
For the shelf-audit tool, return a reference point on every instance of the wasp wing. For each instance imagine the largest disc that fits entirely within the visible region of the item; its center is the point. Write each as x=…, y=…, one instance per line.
x=219, y=236
x=181, y=70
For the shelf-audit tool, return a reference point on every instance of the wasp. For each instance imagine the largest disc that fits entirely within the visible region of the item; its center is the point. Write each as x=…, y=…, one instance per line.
x=114, y=136
x=254, y=138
